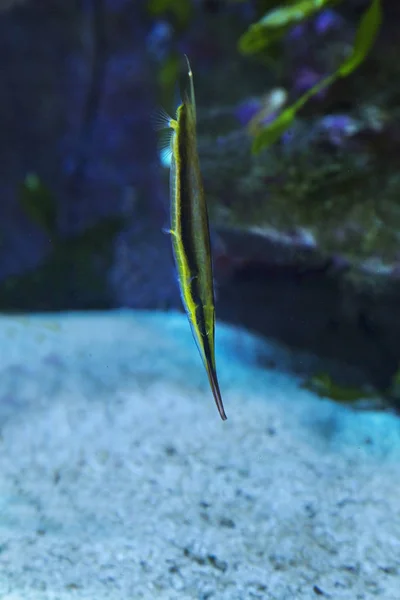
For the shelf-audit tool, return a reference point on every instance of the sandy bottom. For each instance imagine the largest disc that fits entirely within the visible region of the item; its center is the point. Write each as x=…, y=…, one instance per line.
x=119, y=480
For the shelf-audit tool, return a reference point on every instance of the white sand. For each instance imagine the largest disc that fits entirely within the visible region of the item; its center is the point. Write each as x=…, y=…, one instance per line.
x=119, y=480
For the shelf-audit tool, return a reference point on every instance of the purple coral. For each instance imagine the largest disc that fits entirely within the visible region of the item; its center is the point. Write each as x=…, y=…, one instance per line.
x=338, y=127
x=327, y=20
x=247, y=110
x=305, y=79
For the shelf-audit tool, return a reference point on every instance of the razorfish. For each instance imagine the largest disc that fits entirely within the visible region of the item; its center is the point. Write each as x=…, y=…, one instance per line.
x=189, y=229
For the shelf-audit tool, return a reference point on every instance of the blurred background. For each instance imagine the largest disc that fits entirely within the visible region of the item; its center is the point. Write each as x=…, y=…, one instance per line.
x=299, y=142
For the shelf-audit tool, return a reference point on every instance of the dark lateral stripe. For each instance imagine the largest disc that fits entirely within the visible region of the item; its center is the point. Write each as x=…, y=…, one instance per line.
x=194, y=229
x=186, y=192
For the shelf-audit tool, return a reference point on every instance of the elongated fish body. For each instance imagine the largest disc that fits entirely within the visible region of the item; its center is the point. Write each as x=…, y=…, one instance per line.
x=191, y=236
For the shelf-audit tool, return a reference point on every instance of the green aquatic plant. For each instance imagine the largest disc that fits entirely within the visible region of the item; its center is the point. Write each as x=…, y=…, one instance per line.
x=365, y=397
x=180, y=10
x=167, y=77
x=276, y=23
x=38, y=203
x=324, y=386
x=74, y=274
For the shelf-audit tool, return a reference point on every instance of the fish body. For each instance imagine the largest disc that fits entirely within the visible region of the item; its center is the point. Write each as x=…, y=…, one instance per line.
x=190, y=233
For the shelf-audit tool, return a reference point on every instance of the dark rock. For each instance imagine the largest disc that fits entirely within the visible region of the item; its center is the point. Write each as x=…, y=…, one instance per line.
x=78, y=92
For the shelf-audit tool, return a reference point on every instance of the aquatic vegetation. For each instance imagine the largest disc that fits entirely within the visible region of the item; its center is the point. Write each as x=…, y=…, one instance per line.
x=180, y=10
x=325, y=387
x=363, y=397
x=168, y=73
x=270, y=106
x=276, y=23
x=314, y=182
x=171, y=16
x=38, y=203
x=76, y=269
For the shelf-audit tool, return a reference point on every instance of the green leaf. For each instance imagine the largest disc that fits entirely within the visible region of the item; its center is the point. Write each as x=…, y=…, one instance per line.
x=270, y=134
x=181, y=9
x=273, y=132
x=277, y=22
x=323, y=385
x=318, y=87
x=167, y=76
x=292, y=14
x=365, y=37
x=169, y=71
x=257, y=38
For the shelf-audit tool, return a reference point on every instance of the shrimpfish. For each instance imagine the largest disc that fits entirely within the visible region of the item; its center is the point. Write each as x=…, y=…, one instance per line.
x=189, y=229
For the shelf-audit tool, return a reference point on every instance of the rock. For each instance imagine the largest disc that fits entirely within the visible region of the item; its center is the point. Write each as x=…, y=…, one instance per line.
x=309, y=227
x=79, y=90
